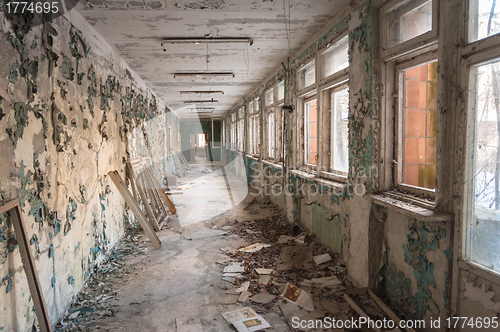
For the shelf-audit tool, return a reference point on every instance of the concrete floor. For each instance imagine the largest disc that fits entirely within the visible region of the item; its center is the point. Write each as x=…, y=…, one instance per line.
x=181, y=280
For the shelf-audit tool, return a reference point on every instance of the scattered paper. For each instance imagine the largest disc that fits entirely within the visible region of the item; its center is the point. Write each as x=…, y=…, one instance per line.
x=321, y=282
x=301, y=238
x=231, y=274
x=229, y=279
x=320, y=259
x=234, y=268
x=285, y=238
x=298, y=296
x=264, y=271
x=255, y=247
x=246, y=320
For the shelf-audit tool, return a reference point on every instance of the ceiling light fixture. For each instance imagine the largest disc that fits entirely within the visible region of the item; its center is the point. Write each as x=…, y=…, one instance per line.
x=201, y=101
x=201, y=92
x=202, y=109
x=206, y=73
x=197, y=40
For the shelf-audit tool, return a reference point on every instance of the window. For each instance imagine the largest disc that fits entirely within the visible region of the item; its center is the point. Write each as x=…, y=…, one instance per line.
x=240, y=113
x=269, y=97
x=307, y=75
x=407, y=20
x=336, y=57
x=253, y=134
x=339, y=125
x=311, y=131
x=281, y=90
x=233, y=131
x=271, y=135
x=256, y=134
x=250, y=107
x=484, y=19
x=418, y=104
x=257, y=106
x=483, y=221
x=241, y=135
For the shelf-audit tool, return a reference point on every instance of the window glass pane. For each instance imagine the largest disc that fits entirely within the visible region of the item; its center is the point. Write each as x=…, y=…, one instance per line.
x=281, y=90
x=240, y=113
x=307, y=75
x=311, y=131
x=269, y=97
x=251, y=136
x=257, y=134
x=483, y=244
x=233, y=117
x=271, y=135
x=336, y=57
x=484, y=19
x=419, y=125
x=250, y=107
x=408, y=19
x=257, y=106
x=340, y=121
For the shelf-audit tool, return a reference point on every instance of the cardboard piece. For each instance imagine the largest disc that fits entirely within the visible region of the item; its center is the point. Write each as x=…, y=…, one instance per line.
x=298, y=296
x=295, y=257
x=321, y=282
x=254, y=247
x=320, y=259
x=245, y=320
x=264, y=279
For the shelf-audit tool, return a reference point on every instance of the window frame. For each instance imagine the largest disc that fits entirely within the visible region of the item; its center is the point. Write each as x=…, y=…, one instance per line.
x=271, y=111
x=411, y=45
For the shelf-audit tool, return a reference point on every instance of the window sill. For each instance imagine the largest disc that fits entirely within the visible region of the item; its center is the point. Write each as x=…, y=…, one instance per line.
x=479, y=270
x=272, y=164
x=338, y=186
x=409, y=209
x=249, y=156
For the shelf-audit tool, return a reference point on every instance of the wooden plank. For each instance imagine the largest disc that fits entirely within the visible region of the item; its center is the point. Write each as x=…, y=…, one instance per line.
x=134, y=206
x=358, y=310
x=145, y=202
x=165, y=198
x=28, y=264
x=131, y=178
x=8, y=204
x=156, y=191
x=387, y=310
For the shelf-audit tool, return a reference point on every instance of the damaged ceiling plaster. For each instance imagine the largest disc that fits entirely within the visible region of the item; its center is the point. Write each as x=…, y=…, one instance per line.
x=139, y=44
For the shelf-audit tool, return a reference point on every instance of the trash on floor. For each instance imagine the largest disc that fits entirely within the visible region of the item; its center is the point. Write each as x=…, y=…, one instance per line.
x=320, y=259
x=254, y=247
x=321, y=282
x=263, y=298
x=298, y=296
x=295, y=257
x=245, y=320
x=264, y=271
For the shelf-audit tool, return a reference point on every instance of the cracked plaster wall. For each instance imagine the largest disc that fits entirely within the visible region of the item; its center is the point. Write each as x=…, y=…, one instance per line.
x=67, y=105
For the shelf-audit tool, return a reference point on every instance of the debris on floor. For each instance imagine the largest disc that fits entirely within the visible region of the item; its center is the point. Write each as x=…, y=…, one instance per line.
x=276, y=277
x=245, y=320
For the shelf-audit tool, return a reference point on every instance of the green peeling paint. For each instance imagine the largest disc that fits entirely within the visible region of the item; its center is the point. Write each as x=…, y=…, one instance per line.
x=66, y=69
x=327, y=228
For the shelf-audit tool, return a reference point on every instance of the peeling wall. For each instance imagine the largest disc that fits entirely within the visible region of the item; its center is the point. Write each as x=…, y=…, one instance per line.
x=67, y=107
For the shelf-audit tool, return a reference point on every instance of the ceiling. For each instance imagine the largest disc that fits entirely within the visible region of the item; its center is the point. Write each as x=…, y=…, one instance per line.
x=136, y=28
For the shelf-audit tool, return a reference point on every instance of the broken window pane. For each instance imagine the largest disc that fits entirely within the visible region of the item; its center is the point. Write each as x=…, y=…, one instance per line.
x=484, y=19
x=483, y=244
x=419, y=125
x=340, y=121
x=336, y=57
x=311, y=131
x=407, y=20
